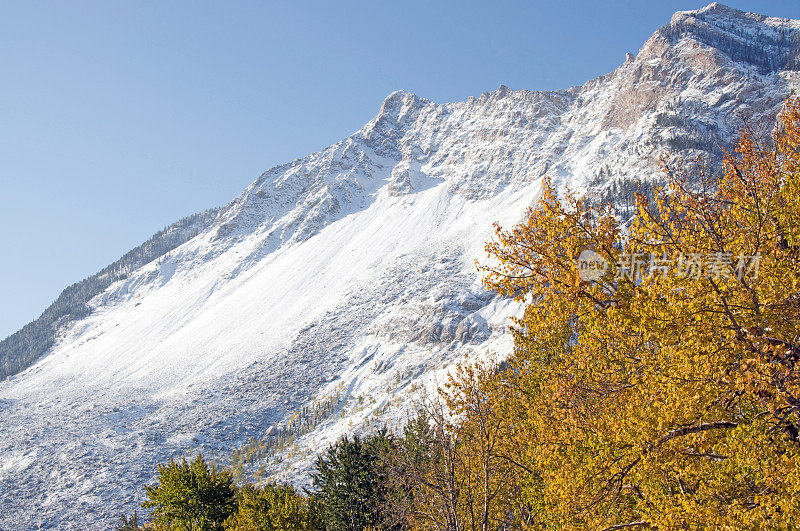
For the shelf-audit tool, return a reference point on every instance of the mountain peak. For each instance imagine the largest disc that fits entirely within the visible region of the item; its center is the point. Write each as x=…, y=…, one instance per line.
x=714, y=9
x=398, y=99
x=767, y=43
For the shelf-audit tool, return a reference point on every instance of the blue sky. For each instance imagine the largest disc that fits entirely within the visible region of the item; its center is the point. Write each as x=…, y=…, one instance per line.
x=118, y=118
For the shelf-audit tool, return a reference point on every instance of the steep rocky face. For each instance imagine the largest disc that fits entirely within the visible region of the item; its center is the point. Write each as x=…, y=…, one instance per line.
x=347, y=276
x=766, y=43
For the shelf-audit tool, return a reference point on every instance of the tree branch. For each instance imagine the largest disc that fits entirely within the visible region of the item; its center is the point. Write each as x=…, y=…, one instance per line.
x=640, y=523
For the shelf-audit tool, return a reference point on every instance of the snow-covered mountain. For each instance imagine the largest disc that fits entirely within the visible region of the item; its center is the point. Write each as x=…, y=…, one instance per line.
x=347, y=277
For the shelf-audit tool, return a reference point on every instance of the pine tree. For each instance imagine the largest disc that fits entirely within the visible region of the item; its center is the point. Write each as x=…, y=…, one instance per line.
x=129, y=524
x=349, y=483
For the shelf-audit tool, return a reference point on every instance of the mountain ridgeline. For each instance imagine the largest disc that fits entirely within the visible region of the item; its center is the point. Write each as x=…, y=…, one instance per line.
x=769, y=48
x=23, y=348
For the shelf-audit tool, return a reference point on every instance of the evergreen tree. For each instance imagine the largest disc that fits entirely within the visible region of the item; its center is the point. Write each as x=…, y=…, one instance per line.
x=129, y=524
x=349, y=482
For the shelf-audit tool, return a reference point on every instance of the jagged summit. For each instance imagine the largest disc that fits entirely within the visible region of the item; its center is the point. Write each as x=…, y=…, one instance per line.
x=767, y=43
x=348, y=274
x=723, y=11
x=399, y=99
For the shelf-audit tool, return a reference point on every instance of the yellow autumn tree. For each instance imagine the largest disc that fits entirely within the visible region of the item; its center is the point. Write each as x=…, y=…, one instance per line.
x=273, y=507
x=654, y=381
x=489, y=476
x=452, y=472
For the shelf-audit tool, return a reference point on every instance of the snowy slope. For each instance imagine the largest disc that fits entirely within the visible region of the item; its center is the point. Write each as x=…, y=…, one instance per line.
x=351, y=272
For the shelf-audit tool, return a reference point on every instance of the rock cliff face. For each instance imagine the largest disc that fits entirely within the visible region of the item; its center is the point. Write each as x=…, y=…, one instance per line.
x=346, y=277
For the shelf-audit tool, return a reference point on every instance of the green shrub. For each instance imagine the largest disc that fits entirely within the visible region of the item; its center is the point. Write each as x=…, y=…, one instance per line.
x=191, y=496
x=273, y=507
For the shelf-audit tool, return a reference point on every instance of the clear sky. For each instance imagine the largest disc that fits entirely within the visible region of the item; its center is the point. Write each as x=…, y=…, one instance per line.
x=118, y=118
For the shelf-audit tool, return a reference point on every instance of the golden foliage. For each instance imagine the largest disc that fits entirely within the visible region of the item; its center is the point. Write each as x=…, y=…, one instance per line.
x=664, y=393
